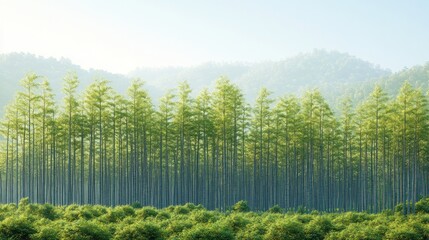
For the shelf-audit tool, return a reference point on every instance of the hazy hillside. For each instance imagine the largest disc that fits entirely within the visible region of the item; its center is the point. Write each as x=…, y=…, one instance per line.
x=14, y=66
x=332, y=72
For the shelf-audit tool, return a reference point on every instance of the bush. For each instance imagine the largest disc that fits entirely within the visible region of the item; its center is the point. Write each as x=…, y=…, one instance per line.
x=302, y=210
x=303, y=218
x=47, y=233
x=162, y=216
x=403, y=234
x=275, y=209
x=112, y=216
x=318, y=228
x=422, y=206
x=352, y=217
x=357, y=231
x=192, y=206
x=178, y=226
x=16, y=228
x=23, y=203
x=86, y=230
x=236, y=222
x=48, y=211
x=252, y=232
x=136, y=205
x=241, y=206
x=147, y=212
x=399, y=208
x=140, y=231
x=407, y=231
x=285, y=230
x=128, y=210
x=202, y=216
x=181, y=210
x=208, y=232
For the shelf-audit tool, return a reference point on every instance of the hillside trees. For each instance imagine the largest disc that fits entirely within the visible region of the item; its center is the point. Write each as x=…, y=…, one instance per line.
x=101, y=147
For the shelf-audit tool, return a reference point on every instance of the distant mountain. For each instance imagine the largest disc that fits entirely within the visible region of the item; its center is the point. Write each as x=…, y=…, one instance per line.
x=332, y=72
x=14, y=66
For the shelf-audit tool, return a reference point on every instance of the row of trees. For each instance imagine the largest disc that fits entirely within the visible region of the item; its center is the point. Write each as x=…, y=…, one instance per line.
x=100, y=147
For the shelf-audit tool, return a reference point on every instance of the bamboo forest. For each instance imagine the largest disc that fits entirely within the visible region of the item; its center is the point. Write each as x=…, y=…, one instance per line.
x=213, y=148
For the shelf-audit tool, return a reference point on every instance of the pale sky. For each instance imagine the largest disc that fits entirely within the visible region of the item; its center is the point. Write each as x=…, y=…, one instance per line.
x=119, y=36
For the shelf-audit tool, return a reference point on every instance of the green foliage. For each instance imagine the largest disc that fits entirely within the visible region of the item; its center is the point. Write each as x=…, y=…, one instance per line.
x=162, y=216
x=23, y=203
x=181, y=210
x=146, y=212
x=411, y=230
x=44, y=221
x=275, y=209
x=353, y=217
x=202, y=216
x=176, y=227
x=422, y=206
x=48, y=211
x=318, y=228
x=285, y=229
x=47, y=233
x=252, y=231
x=16, y=227
x=208, y=232
x=356, y=231
x=198, y=147
x=236, y=222
x=241, y=206
x=86, y=230
x=140, y=231
x=136, y=205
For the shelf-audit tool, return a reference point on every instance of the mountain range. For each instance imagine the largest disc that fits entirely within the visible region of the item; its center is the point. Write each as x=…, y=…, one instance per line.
x=335, y=74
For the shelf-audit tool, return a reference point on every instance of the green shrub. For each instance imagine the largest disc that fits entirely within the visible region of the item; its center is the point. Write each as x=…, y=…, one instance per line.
x=399, y=208
x=352, y=217
x=254, y=231
x=176, y=227
x=162, y=216
x=48, y=211
x=403, y=234
x=303, y=218
x=128, y=210
x=318, y=228
x=23, y=203
x=95, y=210
x=407, y=231
x=47, y=233
x=191, y=206
x=241, y=206
x=286, y=229
x=16, y=228
x=181, y=210
x=275, y=209
x=136, y=205
x=208, y=232
x=86, y=230
x=140, y=231
x=112, y=216
x=236, y=222
x=202, y=216
x=356, y=231
x=302, y=210
x=422, y=206
x=146, y=212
